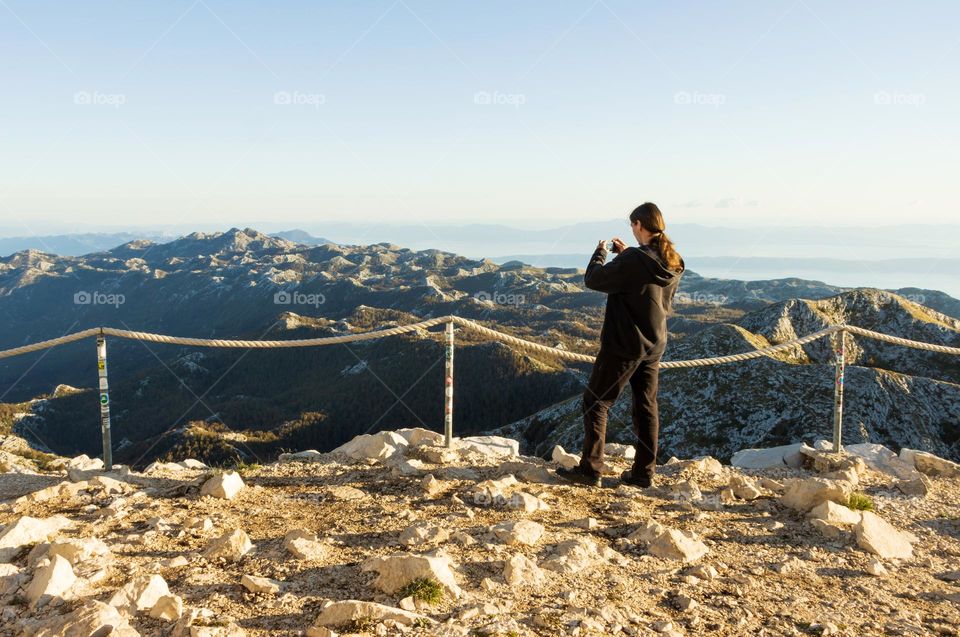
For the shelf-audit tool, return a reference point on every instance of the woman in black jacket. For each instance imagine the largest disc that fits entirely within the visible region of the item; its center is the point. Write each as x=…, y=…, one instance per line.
x=640, y=284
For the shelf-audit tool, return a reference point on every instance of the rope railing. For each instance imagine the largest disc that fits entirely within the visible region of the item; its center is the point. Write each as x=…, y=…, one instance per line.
x=450, y=321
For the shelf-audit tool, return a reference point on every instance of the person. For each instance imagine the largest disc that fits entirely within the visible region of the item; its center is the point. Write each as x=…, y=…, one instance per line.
x=640, y=283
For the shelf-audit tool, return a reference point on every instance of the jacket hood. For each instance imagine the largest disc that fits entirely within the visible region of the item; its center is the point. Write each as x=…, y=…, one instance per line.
x=662, y=275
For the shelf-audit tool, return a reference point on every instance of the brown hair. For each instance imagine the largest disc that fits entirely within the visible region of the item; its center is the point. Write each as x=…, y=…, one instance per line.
x=651, y=219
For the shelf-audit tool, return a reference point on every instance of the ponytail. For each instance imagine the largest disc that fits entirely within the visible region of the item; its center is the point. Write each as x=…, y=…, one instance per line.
x=650, y=217
x=668, y=253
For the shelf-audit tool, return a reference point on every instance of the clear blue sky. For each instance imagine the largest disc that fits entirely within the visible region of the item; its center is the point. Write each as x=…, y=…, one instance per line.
x=175, y=112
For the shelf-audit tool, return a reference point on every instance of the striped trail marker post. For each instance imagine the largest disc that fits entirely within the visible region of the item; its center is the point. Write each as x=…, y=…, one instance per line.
x=841, y=354
x=448, y=389
x=104, y=402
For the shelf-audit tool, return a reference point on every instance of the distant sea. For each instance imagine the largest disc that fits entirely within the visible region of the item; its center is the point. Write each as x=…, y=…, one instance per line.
x=927, y=273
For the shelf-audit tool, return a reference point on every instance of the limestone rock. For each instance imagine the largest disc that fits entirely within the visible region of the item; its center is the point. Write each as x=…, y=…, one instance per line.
x=83, y=467
x=574, y=556
x=198, y=525
x=492, y=492
x=772, y=485
x=398, y=570
x=224, y=485
x=678, y=545
x=490, y=446
x=400, y=466
x=804, y=494
x=418, y=437
x=92, y=618
x=304, y=545
x=791, y=565
x=830, y=530
x=344, y=493
x=706, y=464
x=878, y=536
x=168, y=608
x=52, y=579
x=918, y=486
x=108, y=485
x=564, y=459
x=431, y=486
x=423, y=533
x=525, y=532
x=230, y=546
x=648, y=531
x=881, y=459
x=461, y=538
x=527, y=503
x=684, y=603
x=11, y=577
x=614, y=450
x=833, y=513
x=26, y=531
x=704, y=572
x=876, y=568
x=520, y=570
x=262, y=585
x=527, y=471
x=349, y=611
x=379, y=446
x=177, y=561
x=308, y=455
x=436, y=455
x=176, y=467
x=79, y=550
x=744, y=488
x=686, y=490
x=930, y=464
x=140, y=594
x=63, y=490
x=770, y=458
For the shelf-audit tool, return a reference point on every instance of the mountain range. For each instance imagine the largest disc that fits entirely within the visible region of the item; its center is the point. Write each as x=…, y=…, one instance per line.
x=223, y=405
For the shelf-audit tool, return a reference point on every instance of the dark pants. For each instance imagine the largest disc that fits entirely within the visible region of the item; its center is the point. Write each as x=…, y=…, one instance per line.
x=610, y=375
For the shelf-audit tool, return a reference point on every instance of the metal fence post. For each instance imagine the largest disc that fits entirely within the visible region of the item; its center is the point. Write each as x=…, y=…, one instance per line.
x=104, y=402
x=841, y=361
x=448, y=389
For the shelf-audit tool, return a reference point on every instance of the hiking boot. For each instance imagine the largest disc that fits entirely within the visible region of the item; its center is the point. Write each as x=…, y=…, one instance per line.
x=579, y=476
x=642, y=482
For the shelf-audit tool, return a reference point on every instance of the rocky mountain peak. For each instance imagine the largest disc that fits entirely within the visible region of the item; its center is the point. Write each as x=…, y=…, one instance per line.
x=394, y=533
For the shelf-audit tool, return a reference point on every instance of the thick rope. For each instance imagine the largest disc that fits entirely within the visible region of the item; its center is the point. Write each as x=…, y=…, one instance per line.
x=896, y=340
x=303, y=342
x=699, y=362
x=36, y=347
x=476, y=327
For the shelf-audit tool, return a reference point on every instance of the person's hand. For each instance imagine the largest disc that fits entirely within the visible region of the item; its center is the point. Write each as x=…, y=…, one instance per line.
x=618, y=245
x=602, y=245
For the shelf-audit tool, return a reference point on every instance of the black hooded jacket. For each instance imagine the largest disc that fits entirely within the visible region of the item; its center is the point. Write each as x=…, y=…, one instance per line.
x=640, y=290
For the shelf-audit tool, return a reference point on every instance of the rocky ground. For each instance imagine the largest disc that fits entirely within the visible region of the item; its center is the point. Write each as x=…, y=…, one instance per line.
x=328, y=544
